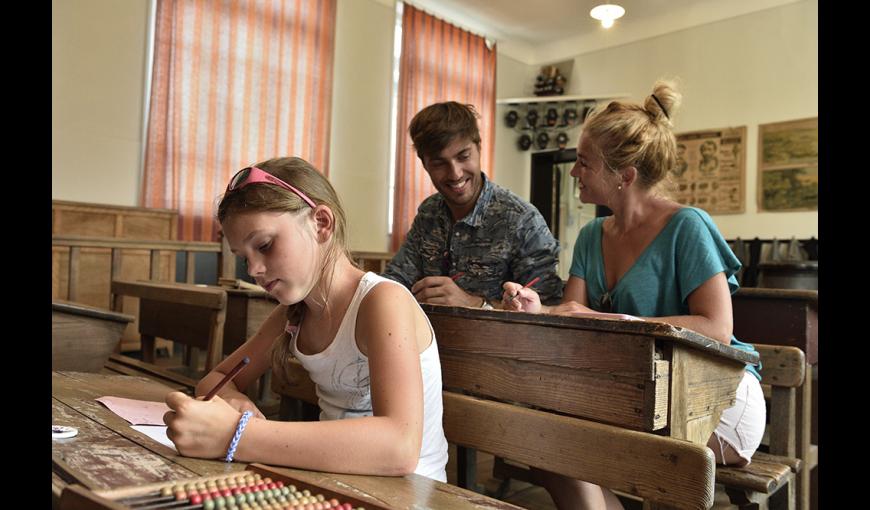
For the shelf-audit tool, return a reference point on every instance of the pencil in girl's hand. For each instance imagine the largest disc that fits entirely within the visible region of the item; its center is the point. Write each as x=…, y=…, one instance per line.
x=457, y=276
x=227, y=378
x=526, y=286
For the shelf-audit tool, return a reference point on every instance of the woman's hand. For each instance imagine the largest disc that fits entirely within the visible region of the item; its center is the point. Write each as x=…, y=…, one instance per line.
x=200, y=428
x=570, y=307
x=521, y=299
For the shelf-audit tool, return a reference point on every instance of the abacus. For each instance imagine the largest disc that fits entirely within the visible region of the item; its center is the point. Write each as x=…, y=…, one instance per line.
x=257, y=487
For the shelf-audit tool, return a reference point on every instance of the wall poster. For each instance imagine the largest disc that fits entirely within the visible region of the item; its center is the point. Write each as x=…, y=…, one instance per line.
x=711, y=170
x=788, y=165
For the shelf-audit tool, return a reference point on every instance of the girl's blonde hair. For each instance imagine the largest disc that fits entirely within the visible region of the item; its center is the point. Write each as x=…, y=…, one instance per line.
x=628, y=134
x=271, y=198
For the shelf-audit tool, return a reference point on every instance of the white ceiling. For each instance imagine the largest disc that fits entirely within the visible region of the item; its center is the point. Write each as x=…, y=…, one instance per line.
x=538, y=31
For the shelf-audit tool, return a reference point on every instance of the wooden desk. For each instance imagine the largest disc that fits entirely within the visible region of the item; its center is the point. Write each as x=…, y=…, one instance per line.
x=82, y=336
x=108, y=454
x=778, y=317
x=639, y=375
x=788, y=317
x=190, y=314
x=246, y=311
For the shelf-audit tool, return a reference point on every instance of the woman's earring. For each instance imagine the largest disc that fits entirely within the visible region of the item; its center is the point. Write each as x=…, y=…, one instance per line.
x=619, y=187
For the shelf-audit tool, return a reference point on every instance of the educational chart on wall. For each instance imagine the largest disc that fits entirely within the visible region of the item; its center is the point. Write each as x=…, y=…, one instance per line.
x=788, y=165
x=711, y=170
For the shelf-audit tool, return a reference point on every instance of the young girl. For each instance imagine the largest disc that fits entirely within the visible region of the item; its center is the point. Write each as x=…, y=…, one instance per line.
x=363, y=339
x=652, y=258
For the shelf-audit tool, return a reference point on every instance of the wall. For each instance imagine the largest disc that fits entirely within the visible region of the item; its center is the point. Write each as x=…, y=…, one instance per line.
x=98, y=63
x=748, y=70
x=359, y=147
x=512, y=80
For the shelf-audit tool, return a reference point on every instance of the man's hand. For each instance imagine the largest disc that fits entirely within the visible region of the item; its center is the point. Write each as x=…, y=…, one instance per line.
x=441, y=290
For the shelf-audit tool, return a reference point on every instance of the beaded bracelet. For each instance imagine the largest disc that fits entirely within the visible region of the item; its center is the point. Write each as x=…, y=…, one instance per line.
x=243, y=422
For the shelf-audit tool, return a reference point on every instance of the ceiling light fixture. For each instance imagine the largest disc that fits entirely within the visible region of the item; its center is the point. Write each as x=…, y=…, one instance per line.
x=607, y=13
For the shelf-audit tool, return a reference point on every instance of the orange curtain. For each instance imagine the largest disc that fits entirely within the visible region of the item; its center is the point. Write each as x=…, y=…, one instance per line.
x=233, y=83
x=440, y=62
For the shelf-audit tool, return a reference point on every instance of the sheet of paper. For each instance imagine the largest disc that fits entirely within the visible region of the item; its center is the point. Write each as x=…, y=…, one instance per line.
x=137, y=412
x=156, y=433
x=602, y=315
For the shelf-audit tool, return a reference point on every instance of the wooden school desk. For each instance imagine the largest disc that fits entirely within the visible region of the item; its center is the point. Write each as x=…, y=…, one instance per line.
x=788, y=317
x=108, y=454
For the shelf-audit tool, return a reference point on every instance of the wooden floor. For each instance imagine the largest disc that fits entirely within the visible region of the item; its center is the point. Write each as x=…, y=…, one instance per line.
x=517, y=492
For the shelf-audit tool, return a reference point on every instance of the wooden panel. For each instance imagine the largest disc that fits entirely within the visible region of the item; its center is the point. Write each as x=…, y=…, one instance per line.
x=782, y=366
x=595, y=351
x=701, y=388
x=645, y=465
x=236, y=325
x=104, y=220
x=59, y=273
x=134, y=265
x=82, y=338
x=147, y=227
x=85, y=223
x=258, y=310
x=93, y=281
x=599, y=397
x=206, y=297
x=184, y=323
x=293, y=381
x=778, y=317
x=581, y=326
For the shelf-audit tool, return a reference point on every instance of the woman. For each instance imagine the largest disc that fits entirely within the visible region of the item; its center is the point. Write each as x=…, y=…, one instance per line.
x=653, y=258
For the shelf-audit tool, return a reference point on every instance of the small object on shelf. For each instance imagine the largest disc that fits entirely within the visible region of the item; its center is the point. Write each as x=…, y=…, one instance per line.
x=569, y=116
x=532, y=117
x=562, y=140
x=542, y=140
x=552, y=117
x=550, y=82
x=524, y=142
x=511, y=118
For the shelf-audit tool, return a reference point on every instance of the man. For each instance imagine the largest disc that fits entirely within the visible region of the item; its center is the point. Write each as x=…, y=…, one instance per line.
x=471, y=236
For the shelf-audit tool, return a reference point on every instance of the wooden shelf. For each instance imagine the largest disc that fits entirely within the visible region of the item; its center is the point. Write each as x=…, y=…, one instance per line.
x=559, y=99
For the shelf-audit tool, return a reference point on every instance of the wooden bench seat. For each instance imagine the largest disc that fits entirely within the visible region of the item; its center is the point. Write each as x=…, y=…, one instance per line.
x=773, y=476
x=766, y=473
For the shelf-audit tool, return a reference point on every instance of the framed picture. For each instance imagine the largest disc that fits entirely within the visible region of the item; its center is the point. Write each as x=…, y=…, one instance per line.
x=788, y=165
x=711, y=170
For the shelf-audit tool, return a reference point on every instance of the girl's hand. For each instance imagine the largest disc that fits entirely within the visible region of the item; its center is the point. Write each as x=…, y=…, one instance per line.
x=199, y=428
x=520, y=299
x=241, y=403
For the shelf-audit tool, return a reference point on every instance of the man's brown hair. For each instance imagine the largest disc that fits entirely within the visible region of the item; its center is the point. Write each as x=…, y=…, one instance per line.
x=434, y=127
